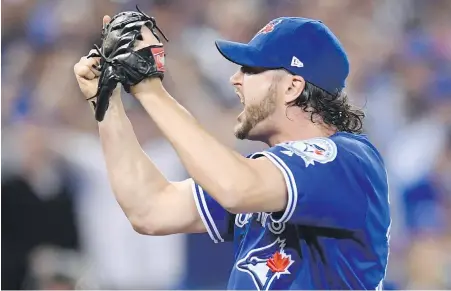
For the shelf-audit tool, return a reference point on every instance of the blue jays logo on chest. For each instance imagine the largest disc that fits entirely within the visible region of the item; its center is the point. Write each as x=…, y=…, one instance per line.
x=266, y=264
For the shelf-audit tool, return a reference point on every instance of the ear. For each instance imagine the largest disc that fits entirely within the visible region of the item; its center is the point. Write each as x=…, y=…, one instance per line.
x=295, y=87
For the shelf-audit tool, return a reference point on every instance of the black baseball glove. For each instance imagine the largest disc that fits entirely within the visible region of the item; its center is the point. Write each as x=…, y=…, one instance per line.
x=119, y=63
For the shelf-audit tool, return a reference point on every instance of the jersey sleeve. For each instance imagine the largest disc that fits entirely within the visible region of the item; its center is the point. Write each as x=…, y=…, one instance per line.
x=218, y=221
x=322, y=184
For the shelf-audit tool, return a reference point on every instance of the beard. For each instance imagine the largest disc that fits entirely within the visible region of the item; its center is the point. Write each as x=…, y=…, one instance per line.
x=254, y=114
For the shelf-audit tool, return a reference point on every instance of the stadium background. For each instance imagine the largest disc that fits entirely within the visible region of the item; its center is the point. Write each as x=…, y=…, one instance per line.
x=61, y=227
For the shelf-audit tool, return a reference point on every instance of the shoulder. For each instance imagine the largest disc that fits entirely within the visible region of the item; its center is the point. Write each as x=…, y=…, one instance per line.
x=342, y=156
x=338, y=148
x=359, y=149
x=356, y=144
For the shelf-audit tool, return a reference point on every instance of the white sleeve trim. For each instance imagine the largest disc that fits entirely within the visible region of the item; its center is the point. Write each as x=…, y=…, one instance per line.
x=290, y=182
x=206, y=218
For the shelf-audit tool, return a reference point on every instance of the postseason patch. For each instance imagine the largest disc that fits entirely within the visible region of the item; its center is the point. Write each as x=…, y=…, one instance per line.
x=321, y=150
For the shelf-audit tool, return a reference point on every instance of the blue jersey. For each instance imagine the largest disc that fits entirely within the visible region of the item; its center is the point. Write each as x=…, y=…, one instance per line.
x=334, y=231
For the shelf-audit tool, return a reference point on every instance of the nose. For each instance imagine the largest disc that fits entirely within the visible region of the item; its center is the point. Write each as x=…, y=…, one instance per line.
x=236, y=79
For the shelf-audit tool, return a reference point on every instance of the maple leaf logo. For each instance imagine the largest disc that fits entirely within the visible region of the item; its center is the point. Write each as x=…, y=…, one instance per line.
x=278, y=263
x=318, y=152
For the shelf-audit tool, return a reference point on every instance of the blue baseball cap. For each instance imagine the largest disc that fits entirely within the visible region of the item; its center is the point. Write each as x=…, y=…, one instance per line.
x=302, y=46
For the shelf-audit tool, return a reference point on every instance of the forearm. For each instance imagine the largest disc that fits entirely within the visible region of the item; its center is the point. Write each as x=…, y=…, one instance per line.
x=218, y=169
x=134, y=178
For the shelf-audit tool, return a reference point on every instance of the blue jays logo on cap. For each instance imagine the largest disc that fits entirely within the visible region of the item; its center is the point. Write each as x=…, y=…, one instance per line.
x=269, y=27
x=266, y=264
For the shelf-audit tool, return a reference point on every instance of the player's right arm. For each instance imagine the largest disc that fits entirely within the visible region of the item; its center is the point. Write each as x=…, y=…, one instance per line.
x=153, y=205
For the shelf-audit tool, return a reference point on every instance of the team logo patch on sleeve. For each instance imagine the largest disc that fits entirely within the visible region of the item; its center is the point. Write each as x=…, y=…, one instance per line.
x=321, y=150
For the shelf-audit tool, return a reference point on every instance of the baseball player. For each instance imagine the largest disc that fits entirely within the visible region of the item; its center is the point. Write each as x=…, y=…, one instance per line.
x=309, y=212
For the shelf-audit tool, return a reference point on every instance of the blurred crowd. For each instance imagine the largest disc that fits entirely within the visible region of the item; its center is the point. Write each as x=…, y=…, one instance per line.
x=63, y=229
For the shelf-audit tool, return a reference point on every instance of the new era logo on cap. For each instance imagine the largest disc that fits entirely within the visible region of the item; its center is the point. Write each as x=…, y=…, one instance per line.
x=295, y=62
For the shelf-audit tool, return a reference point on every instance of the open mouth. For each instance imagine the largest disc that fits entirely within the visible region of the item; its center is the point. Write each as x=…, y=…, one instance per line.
x=239, y=117
x=240, y=97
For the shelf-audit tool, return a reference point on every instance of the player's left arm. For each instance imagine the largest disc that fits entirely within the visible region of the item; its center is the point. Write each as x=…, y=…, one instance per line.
x=239, y=184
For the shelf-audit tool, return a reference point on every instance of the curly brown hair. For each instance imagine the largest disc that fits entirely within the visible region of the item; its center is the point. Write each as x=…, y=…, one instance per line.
x=334, y=110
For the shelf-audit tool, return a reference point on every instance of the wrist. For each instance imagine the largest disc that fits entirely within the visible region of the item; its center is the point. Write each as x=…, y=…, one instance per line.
x=92, y=102
x=147, y=87
x=115, y=102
